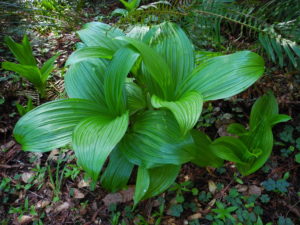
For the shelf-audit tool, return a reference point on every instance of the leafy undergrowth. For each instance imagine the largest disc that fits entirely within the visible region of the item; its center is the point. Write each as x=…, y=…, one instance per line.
x=50, y=188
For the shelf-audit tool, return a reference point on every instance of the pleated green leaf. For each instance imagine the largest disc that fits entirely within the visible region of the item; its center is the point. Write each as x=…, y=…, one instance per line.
x=138, y=32
x=265, y=110
x=171, y=42
x=155, y=139
x=117, y=173
x=225, y=76
x=85, y=80
x=264, y=114
x=253, y=147
x=161, y=178
x=259, y=142
x=237, y=129
x=156, y=66
x=135, y=97
x=102, y=35
x=115, y=76
x=186, y=110
x=22, y=52
x=87, y=53
x=94, y=138
x=231, y=149
x=152, y=182
x=142, y=184
x=31, y=73
x=47, y=67
x=51, y=125
x=204, y=155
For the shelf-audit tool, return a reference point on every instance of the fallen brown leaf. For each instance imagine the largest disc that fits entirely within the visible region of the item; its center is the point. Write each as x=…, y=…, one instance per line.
x=119, y=197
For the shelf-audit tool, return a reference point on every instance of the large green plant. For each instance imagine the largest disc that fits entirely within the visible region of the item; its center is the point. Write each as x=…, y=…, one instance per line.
x=134, y=98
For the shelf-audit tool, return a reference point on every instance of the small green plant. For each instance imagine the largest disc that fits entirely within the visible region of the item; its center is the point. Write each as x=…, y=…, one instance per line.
x=224, y=213
x=280, y=185
x=284, y=221
x=114, y=83
x=253, y=147
x=22, y=110
x=130, y=5
x=27, y=67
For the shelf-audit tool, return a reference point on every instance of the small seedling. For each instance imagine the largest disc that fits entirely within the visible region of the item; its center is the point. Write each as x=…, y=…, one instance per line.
x=224, y=213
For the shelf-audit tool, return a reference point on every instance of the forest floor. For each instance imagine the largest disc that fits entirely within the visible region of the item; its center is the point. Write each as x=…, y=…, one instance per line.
x=50, y=188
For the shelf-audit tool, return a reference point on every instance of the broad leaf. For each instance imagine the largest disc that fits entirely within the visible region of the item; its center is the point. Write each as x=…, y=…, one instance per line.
x=130, y=4
x=154, y=181
x=171, y=42
x=155, y=140
x=87, y=53
x=204, y=155
x=225, y=76
x=115, y=76
x=160, y=179
x=117, y=173
x=102, y=35
x=237, y=129
x=135, y=97
x=31, y=73
x=265, y=110
x=22, y=52
x=156, y=66
x=85, y=80
x=231, y=149
x=186, y=110
x=94, y=138
x=48, y=67
x=51, y=125
x=142, y=184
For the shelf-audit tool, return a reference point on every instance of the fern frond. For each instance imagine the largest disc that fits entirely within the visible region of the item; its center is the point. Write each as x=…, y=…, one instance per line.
x=203, y=20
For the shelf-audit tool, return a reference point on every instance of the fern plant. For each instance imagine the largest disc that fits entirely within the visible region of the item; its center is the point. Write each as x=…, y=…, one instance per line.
x=203, y=20
x=134, y=99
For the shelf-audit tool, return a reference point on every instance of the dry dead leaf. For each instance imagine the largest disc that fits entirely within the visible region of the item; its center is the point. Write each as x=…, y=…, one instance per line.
x=62, y=207
x=212, y=187
x=241, y=188
x=42, y=204
x=8, y=145
x=53, y=155
x=119, y=197
x=25, y=219
x=83, y=183
x=254, y=190
x=195, y=216
x=78, y=194
x=26, y=176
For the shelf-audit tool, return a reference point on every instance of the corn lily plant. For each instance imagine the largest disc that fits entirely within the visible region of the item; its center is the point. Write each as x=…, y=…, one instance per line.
x=27, y=67
x=134, y=99
x=251, y=148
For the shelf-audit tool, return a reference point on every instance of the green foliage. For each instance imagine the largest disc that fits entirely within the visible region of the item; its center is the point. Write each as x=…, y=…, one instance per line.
x=22, y=110
x=27, y=67
x=131, y=5
x=223, y=212
x=284, y=221
x=110, y=116
x=275, y=24
x=253, y=147
x=176, y=210
x=297, y=158
x=280, y=185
